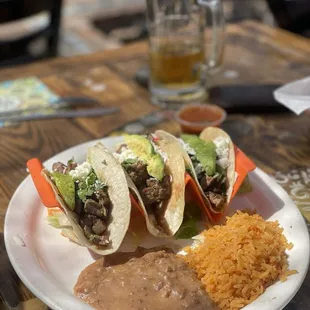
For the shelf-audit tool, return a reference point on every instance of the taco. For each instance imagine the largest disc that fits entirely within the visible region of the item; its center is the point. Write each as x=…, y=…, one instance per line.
x=155, y=171
x=95, y=198
x=210, y=160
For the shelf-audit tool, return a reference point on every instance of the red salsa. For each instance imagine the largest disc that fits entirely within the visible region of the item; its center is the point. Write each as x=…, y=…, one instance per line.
x=193, y=118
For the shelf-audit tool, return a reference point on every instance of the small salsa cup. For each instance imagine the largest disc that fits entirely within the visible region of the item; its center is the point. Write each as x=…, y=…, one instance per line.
x=193, y=118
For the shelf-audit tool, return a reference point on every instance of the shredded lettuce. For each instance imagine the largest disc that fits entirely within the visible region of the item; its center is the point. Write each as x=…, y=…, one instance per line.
x=189, y=227
x=58, y=219
x=69, y=233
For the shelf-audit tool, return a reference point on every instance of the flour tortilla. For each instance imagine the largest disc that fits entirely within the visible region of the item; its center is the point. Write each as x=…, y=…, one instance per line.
x=170, y=221
x=110, y=172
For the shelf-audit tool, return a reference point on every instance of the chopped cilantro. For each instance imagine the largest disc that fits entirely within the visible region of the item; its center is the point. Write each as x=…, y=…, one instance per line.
x=87, y=187
x=128, y=162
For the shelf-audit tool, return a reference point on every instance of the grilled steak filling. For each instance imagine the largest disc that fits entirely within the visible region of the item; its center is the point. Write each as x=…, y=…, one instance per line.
x=152, y=191
x=93, y=211
x=144, y=162
x=214, y=187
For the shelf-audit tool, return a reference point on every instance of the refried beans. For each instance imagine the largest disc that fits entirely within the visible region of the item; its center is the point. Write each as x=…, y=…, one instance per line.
x=156, y=281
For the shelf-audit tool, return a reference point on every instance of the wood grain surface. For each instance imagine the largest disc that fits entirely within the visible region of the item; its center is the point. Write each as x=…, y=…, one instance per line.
x=254, y=52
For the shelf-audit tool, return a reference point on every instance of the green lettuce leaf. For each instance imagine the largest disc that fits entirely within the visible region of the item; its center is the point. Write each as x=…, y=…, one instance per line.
x=58, y=220
x=189, y=227
x=187, y=230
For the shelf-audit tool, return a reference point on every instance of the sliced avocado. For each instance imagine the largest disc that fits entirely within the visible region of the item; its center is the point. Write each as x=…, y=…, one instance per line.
x=66, y=187
x=156, y=167
x=205, y=152
x=141, y=146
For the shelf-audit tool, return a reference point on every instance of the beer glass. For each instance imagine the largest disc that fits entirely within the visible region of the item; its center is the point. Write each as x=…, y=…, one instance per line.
x=181, y=54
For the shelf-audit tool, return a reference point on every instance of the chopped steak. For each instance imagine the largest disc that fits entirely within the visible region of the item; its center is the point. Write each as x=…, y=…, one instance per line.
x=95, y=239
x=99, y=227
x=71, y=166
x=59, y=167
x=138, y=173
x=152, y=191
x=103, y=198
x=156, y=281
x=207, y=182
x=92, y=225
x=100, y=240
x=87, y=231
x=217, y=200
x=87, y=220
x=93, y=207
x=156, y=191
x=62, y=168
x=213, y=188
x=214, y=183
x=93, y=218
x=93, y=212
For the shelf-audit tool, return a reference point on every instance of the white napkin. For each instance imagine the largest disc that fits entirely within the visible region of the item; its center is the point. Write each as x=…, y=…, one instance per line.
x=295, y=95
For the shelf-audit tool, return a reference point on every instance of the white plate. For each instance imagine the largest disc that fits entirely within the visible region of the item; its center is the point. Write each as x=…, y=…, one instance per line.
x=49, y=264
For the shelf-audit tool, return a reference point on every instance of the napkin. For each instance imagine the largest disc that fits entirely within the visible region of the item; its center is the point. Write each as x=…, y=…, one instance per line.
x=295, y=95
x=24, y=93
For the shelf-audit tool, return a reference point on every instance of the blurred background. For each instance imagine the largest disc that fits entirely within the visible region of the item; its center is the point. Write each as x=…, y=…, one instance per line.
x=36, y=29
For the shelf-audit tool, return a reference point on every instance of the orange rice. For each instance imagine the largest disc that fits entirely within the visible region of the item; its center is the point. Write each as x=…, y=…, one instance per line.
x=237, y=261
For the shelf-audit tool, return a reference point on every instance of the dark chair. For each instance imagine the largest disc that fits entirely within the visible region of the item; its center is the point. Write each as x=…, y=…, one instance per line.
x=292, y=15
x=16, y=51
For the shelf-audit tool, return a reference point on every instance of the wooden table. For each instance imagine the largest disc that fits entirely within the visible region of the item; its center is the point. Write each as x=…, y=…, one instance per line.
x=254, y=53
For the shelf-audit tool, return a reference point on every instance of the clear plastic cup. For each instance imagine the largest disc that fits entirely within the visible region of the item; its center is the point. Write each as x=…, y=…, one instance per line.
x=193, y=118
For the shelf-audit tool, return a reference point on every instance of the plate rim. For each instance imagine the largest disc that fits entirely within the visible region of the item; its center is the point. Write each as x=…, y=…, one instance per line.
x=50, y=302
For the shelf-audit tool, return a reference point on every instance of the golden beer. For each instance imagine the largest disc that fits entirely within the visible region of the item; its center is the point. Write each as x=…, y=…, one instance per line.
x=176, y=65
